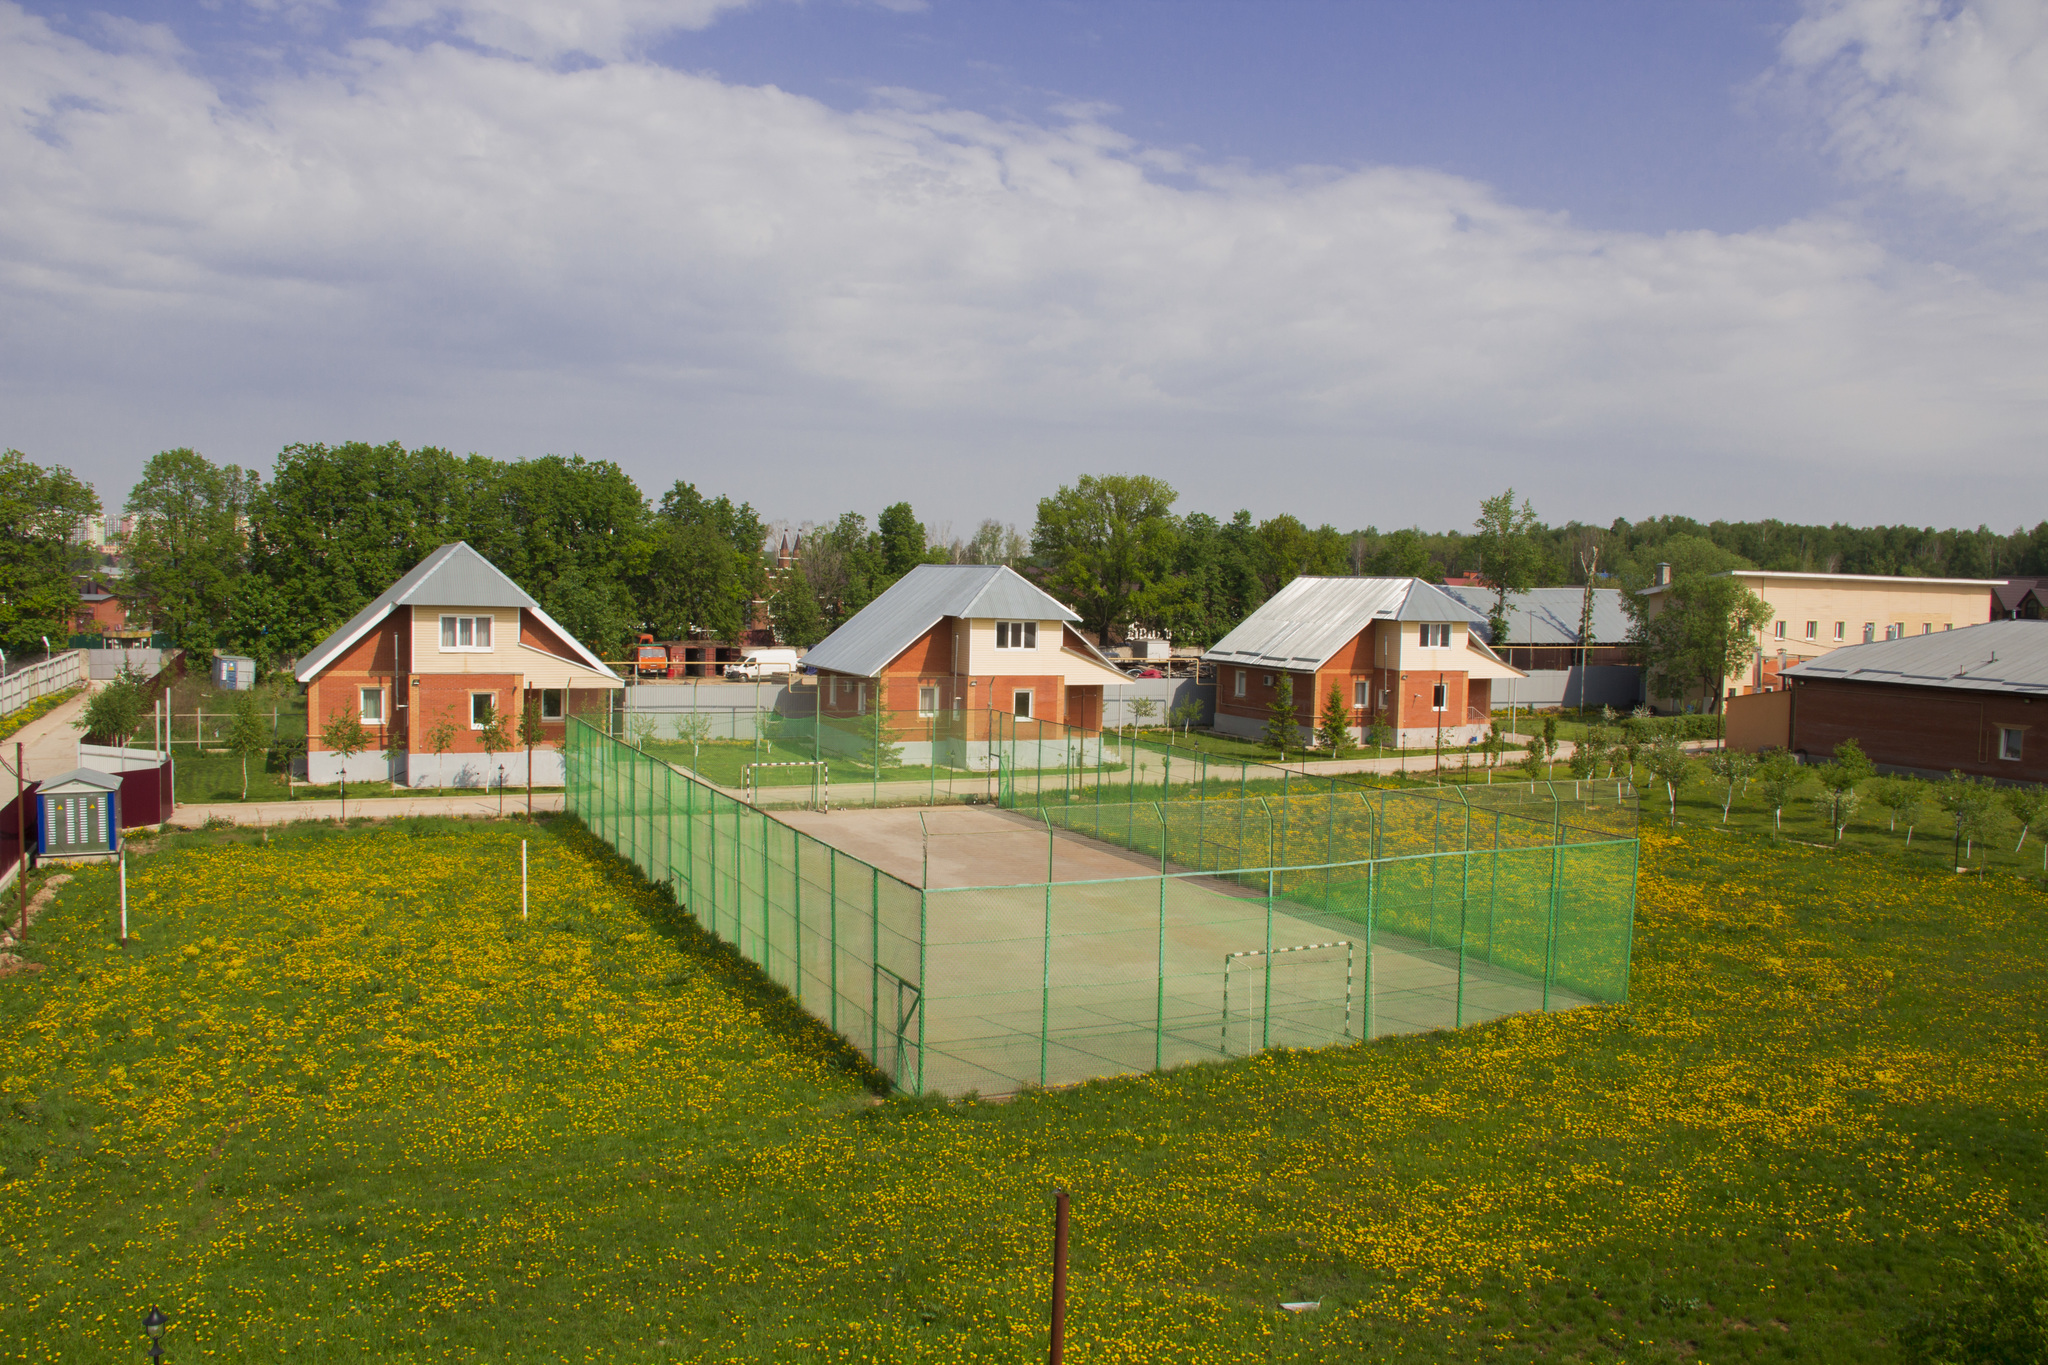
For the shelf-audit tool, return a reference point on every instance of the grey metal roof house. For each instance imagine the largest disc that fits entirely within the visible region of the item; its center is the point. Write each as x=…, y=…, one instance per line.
x=1310, y=619
x=453, y=576
x=865, y=644
x=2000, y=656
x=1547, y=616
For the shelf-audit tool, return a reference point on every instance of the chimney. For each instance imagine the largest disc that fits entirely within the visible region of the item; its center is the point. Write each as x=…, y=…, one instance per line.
x=1663, y=575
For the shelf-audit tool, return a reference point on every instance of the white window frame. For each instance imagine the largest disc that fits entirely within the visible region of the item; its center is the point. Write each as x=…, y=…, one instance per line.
x=561, y=696
x=452, y=630
x=1927, y=627
x=1361, y=693
x=1440, y=697
x=1841, y=630
x=1017, y=635
x=1434, y=636
x=1813, y=630
x=1780, y=632
x=860, y=699
x=491, y=697
x=366, y=695
x=1265, y=680
x=1021, y=712
x=2011, y=743
x=1242, y=676
x=927, y=701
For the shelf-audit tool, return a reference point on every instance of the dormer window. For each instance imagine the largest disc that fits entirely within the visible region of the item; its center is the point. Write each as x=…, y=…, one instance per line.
x=1016, y=635
x=1436, y=637
x=466, y=632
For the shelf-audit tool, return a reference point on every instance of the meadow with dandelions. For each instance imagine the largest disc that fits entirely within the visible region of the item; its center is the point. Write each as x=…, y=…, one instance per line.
x=340, y=1102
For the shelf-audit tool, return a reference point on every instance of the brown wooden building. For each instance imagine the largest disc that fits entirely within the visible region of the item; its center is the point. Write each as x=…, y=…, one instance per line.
x=1974, y=700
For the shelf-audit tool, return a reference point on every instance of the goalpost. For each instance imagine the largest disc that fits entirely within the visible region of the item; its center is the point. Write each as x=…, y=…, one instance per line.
x=823, y=782
x=1251, y=1013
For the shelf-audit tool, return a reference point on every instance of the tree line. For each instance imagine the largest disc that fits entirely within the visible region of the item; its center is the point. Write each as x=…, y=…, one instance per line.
x=231, y=559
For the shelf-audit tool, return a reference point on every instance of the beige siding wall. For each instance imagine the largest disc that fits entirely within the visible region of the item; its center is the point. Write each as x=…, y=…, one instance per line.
x=504, y=656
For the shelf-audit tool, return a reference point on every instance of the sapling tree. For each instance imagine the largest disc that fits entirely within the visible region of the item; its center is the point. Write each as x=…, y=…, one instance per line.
x=1732, y=768
x=1336, y=726
x=1142, y=709
x=1185, y=715
x=1635, y=733
x=1282, y=730
x=113, y=712
x=531, y=736
x=2026, y=805
x=1380, y=734
x=1971, y=804
x=642, y=725
x=1532, y=760
x=440, y=738
x=1899, y=797
x=692, y=728
x=345, y=737
x=495, y=735
x=1668, y=764
x=247, y=736
x=1778, y=775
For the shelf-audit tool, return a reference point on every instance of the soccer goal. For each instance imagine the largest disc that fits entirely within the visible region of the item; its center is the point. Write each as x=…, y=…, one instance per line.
x=749, y=788
x=1261, y=996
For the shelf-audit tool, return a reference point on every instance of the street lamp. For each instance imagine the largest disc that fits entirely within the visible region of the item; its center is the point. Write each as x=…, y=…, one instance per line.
x=153, y=1328
x=501, y=789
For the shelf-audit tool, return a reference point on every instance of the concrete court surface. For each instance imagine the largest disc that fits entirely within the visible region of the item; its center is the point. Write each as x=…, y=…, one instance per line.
x=1135, y=979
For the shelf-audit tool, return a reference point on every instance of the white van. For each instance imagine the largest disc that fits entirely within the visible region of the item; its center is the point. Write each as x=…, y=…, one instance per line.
x=763, y=663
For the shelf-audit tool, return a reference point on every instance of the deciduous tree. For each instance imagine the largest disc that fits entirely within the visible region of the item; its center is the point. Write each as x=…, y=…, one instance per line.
x=1105, y=544
x=186, y=554
x=1507, y=559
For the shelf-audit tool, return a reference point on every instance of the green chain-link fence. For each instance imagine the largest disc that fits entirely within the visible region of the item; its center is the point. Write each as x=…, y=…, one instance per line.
x=1272, y=911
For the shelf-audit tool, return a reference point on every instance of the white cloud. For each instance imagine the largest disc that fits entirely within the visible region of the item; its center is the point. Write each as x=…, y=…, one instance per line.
x=551, y=28
x=816, y=309
x=1945, y=99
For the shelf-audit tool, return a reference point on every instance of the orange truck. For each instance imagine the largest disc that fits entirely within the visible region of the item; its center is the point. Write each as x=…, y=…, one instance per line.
x=650, y=660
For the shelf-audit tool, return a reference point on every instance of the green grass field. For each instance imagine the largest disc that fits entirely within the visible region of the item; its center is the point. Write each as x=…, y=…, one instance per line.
x=340, y=1102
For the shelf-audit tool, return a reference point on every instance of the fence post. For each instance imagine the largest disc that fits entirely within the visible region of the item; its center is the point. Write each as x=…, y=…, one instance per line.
x=1159, y=1008
x=1372, y=884
x=875, y=966
x=832, y=922
x=1266, y=1021
x=796, y=877
x=923, y=1010
x=1045, y=959
x=1550, y=937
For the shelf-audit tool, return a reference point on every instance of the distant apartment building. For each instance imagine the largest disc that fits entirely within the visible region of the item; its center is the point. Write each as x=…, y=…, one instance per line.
x=1814, y=614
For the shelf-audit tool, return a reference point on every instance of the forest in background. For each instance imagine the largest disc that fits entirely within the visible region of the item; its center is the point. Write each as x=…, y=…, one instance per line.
x=224, y=558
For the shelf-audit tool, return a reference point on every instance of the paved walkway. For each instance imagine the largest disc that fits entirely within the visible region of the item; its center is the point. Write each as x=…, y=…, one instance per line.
x=49, y=742
x=364, y=808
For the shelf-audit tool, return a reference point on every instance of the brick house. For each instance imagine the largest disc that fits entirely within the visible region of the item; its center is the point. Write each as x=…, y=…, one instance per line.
x=952, y=643
x=1969, y=699
x=100, y=608
x=1394, y=646
x=453, y=640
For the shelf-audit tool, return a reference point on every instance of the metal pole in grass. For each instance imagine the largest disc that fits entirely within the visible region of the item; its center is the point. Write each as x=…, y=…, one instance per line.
x=875, y=966
x=1266, y=1023
x=21, y=842
x=522, y=889
x=124, y=898
x=1045, y=968
x=1059, y=1277
x=832, y=920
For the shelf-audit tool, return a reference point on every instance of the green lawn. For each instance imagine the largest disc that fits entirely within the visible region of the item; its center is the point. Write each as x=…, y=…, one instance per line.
x=340, y=1102
x=1234, y=749
x=721, y=761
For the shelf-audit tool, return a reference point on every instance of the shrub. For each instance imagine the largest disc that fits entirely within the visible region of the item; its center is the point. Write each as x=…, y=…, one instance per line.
x=1997, y=1311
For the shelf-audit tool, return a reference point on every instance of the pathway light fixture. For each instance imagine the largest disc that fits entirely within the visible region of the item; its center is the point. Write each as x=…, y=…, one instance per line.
x=153, y=1328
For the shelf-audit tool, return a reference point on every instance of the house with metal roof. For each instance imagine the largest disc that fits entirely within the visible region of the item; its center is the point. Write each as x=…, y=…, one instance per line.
x=1397, y=647
x=1969, y=699
x=956, y=643
x=431, y=663
x=1543, y=641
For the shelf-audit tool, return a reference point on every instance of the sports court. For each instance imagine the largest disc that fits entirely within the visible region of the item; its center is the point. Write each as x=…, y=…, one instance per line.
x=978, y=948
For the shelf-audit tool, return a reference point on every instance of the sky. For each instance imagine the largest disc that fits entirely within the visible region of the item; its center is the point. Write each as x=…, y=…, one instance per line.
x=1366, y=263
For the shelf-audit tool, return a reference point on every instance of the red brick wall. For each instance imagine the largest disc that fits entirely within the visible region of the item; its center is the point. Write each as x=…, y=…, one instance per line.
x=370, y=660
x=1259, y=694
x=1921, y=727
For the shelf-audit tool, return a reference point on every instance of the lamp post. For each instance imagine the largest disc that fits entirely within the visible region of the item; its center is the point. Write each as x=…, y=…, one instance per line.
x=153, y=1328
x=501, y=789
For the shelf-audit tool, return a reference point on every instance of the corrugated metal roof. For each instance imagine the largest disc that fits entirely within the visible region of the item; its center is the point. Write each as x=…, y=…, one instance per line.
x=1549, y=616
x=1312, y=618
x=452, y=576
x=2000, y=656
x=919, y=600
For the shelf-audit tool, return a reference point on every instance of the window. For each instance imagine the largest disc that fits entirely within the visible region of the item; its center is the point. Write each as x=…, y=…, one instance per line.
x=465, y=632
x=1440, y=697
x=1361, y=694
x=1813, y=630
x=373, y=705
x=1265, y=680
x=860, y=699
x=1927, y=627
x=1239, y=690
x=482, y=707
x=1841, y=630
x=1781, y=630
x=1016, y=635
x=1436, y=637
x=551, y=703
x=2009, y=737
x=1020, y=703
x=956, y=708
x=1894, y=632
x=927, y=701
x=1946, y=626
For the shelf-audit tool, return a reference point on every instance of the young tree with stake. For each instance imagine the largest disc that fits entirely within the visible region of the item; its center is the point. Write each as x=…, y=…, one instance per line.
x=247, y=736
x=1778, y=775
x=1897, y=797
x=495, y=735
x=1669, y=765
x=532, y=736
x=345, y=737
x=441, y=738
x=2026, y=805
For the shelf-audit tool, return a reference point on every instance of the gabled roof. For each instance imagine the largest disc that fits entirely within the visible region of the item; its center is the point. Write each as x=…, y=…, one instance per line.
x=1547, y=616
x=1310, y=619
x=1999, y=656
x=84, y=777
x=452, y=576
x=919, y=600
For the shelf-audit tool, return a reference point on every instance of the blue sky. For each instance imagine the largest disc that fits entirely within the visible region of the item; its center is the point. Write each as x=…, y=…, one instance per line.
x=1366, y=263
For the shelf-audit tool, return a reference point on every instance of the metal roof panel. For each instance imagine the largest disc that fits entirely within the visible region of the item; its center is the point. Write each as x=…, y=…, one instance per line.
x=914, y=603
x=1998, y=656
